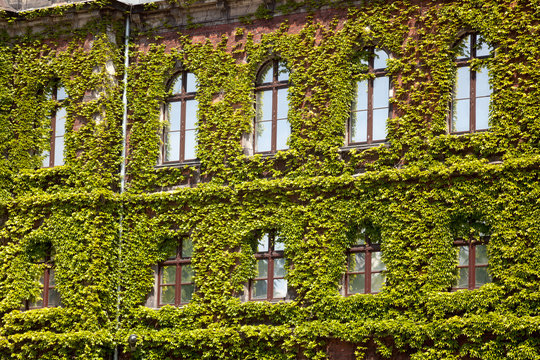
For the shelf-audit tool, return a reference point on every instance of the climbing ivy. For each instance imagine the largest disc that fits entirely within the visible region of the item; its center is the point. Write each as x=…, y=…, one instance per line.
x=418, y=192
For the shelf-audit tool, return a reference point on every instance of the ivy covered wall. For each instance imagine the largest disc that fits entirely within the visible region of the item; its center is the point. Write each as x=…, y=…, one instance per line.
x=417, y=190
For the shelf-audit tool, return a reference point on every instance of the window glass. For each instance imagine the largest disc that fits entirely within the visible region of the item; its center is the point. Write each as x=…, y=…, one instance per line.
x=280, y=288
x=263, y=244
x=358, y=129
x=187, y=248
x=357, y=283
x=379, y=60
x=173, y=144
x=357, y=262
x=377, y=282
x=191, y=82
x=175, y=109
x=283, y=72
x=376, y=262
x=283, y=132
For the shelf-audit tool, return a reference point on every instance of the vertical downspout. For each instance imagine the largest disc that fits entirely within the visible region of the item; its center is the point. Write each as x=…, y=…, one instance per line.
x=122, y=170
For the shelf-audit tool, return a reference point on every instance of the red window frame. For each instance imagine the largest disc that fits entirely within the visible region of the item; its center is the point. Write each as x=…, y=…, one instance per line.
x=182, y=97
x=48, y=277
x=274, y=86
x=472, y=263
x=180, y=262
x=377, y=73
x=465, y=62
x=367, y=248
x=271, y=255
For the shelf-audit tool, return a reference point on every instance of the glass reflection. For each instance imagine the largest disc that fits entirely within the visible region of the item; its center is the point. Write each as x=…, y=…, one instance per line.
x=167, y=294
x=279, y=245
x=381, y=89
x=463, y=83
x=283, y=72
x=279, y=267
x=483, y=48
x=357, y=283
x=483, y=88
x=54, y=298
x=259, y=289
x=282, y=104
x=283, y=132
x=463, y=256
x=463, y=278
x=380, y=116
x=482, y=276
x=191, y=82
x=168, y=274
x=61, y=94
x=361, y=102
x=482, y=113
x=481, y=255
x=359, y=126
x=187, y=248
x=377, y=282
x=461, y=115
x=465, y=48
x=376, y=261
x=262, y=268
x=186, y=293
x=46, y=160
x=263, y=243
x=190, y=149
x=172, y=152
x=379, y=60
x=266, y=74
x=263, y=138
x=191, y=114
x=357, y=262
x=60, y=123
x=264, y=105
x=187, y=274
x=280, y=288
x=177, y=85
x=59, y=151
x=174, y=109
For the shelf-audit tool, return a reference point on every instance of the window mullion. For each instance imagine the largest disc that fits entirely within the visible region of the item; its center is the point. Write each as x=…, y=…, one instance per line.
x=46, y=288
x=472, y=265
x=270, y=294
x=368, y=270
x=178, y=278
x=369, y=130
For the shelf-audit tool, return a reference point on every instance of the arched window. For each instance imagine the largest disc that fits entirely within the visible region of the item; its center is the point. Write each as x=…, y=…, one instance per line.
x=470, y=107
x=365, y=267
x=272, y=128
x=269, y=282
x=55, y=156
x=50, y=297
x=180, y=113
x=371, y=104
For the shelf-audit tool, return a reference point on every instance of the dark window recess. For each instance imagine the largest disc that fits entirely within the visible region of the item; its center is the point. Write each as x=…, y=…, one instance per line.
x=49, y=295
x=472, y=92
x=365, y=267
x=269, y=282
x=271, y=128
x=55, y=156
x=175, y=279
x=371, y=104
x=180, y=114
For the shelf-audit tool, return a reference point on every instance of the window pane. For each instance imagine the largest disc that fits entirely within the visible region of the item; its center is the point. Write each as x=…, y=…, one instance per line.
x=172, y=145
x=167, y=294
x=54, y=298
x=482, y=82
x=59, y=151
x=361, y=102
x=361, y=237
x=376, y=261
x=465, y=48
x=379, y=124
x=172, y=253
x=187, y=248
x=279, y=244
x=46, y=160
x=177, y=85
x=263, y=136
x=266, y=73
x=168, y=274
x=60, y=128
x=262, y=268
x=381, y=90
x=282, y=104
x=279, y=267
x=61, y=93
x=357, y=284
x=186, y=293
x=463, y=83
x=263, y=244
x=481, y=276
x=379, y=61
x=174, y=115
x=357, y=262
x=259, y=289
x=280, y=288
x=377, y=281
x=480, y=255
x=52, y=281
x=191, y=83
x=482, y=47
x=191, y=145
x=187, y=274
x=264, y=105
x=463, y=256
x=482, y=113
x=283, y=132
x=359, y=126
x=461, y=115
x=463, y=278
x=36, y=304
x=283, y=72
x=191, y=114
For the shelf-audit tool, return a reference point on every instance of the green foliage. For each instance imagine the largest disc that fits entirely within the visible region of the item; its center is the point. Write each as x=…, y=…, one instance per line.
x=415, y=194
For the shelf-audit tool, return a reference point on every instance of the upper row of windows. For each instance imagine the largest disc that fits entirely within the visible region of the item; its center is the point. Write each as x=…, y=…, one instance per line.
x=370, y=110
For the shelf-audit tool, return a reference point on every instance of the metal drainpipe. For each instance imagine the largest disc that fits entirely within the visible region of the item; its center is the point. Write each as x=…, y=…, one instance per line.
x=122, y=170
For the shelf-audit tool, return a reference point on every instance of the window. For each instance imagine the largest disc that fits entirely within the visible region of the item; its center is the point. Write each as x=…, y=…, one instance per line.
x=269, y=283
x=180, y=113
x=175, y=279
x=470, y=108
x=272, y=128
x=472, y=256
x=371, y=105
x=55, y=156
x=49, y=295
x=364, y=267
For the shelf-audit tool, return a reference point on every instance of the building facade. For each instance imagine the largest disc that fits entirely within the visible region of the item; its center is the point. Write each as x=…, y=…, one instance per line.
x=270, y=180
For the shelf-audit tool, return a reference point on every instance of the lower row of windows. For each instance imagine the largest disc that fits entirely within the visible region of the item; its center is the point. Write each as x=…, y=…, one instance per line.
x=364, y=275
